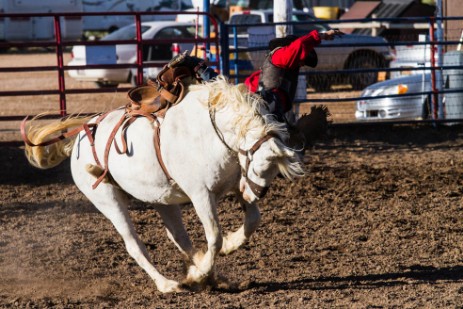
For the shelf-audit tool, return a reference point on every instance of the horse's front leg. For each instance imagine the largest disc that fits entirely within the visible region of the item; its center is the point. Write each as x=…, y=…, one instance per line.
x=172, y=217
x=235, y=240
x=204, y=264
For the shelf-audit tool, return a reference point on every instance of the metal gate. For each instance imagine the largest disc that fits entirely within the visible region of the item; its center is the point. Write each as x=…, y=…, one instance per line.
x=59, y=45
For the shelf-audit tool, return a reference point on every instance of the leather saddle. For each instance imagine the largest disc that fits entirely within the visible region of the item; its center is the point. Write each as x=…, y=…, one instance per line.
x=144, y=98
x=168, y=89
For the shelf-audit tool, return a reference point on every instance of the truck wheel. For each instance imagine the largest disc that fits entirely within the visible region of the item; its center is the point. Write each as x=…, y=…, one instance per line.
x=363, y=79
x=133, y=80
x=320, y=83
x=112, y=29
x=426, y=114
x=106, y=85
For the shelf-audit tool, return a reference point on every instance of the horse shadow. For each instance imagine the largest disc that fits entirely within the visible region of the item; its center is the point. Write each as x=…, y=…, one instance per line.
x=417, y=274
x=380, y=137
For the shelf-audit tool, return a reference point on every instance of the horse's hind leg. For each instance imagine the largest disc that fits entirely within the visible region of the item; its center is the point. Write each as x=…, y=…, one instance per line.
x=113, y=204
x=235, y=240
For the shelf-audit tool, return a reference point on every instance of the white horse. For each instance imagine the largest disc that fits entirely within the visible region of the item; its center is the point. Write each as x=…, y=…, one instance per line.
x=214, y=142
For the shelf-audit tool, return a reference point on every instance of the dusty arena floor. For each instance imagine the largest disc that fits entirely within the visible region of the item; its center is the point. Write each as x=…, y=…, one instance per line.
x=377, y=222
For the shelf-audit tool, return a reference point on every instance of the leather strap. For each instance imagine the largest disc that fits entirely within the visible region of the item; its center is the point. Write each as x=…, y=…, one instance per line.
x=170, y=85
x=258, y=190
x=157, y=148
x=125, y=121
x=131, y=116
x=91, y=138
x=168, y=96
x=107, y=149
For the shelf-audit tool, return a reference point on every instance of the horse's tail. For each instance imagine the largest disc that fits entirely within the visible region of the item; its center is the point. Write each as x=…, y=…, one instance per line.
x=50, y=155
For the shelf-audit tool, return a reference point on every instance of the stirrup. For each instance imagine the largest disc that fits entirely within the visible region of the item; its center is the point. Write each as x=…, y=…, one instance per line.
x=178, y=59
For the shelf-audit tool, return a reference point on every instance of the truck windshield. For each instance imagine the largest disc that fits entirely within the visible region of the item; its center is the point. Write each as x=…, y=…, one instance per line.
x=247, y=19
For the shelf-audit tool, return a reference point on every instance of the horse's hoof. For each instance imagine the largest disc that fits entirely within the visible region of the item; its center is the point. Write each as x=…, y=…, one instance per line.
x=196, y=284
x=226, y=250
x=231, y=243
x=192, y=286
x=213, y=282
x=170, y=286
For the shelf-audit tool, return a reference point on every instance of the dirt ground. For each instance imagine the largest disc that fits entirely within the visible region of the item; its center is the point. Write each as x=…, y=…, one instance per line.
x=375, y=223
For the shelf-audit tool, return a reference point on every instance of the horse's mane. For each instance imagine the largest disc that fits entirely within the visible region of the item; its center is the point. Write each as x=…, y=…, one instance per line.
x=250, y=110
x=250, y=114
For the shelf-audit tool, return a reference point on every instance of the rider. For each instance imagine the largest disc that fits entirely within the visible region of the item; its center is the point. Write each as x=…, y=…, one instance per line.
x=276, y=82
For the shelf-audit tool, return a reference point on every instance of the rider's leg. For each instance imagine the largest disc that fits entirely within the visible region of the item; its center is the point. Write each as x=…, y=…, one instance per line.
x=205, y=72
x=274, y=102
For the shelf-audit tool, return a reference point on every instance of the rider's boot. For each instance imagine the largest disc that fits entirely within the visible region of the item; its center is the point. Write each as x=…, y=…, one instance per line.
x=195, y=64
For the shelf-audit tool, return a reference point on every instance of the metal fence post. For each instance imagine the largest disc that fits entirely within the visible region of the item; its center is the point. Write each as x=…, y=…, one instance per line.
x=139, y=78
x=60, y=64
x=206, y=27
x=224, y=50
x=435, y=92
x=440, y=54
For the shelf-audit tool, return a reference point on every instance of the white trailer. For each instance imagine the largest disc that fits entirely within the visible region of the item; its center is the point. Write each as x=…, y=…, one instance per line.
x=112, y=22
x=39, y=28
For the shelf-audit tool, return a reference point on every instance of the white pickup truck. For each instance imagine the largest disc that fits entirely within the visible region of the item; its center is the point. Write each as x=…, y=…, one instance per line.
x=346, y=52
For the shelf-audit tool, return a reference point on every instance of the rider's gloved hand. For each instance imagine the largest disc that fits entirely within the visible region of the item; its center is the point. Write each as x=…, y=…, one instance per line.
x=330, y=34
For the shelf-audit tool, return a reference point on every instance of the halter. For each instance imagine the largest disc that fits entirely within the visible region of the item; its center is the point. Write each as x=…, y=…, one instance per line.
x=257, y=190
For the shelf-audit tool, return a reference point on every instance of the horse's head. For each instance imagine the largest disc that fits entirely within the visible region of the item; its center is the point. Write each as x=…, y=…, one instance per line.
x=243, y=122
x=267, y=157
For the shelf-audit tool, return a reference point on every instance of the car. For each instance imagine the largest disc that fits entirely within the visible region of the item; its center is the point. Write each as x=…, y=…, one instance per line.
x=409, y=58
x=404, y=98
x=159, y=54
x=347, y=52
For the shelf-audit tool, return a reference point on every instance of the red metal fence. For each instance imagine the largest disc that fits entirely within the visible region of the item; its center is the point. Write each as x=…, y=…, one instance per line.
x=230, y=49
x=59, y=45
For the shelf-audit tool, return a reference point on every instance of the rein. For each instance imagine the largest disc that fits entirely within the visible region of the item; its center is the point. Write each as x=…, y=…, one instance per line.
x=216, y=129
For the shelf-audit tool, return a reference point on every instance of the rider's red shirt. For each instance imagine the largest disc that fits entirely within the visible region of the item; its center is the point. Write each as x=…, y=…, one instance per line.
x=288, y=57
